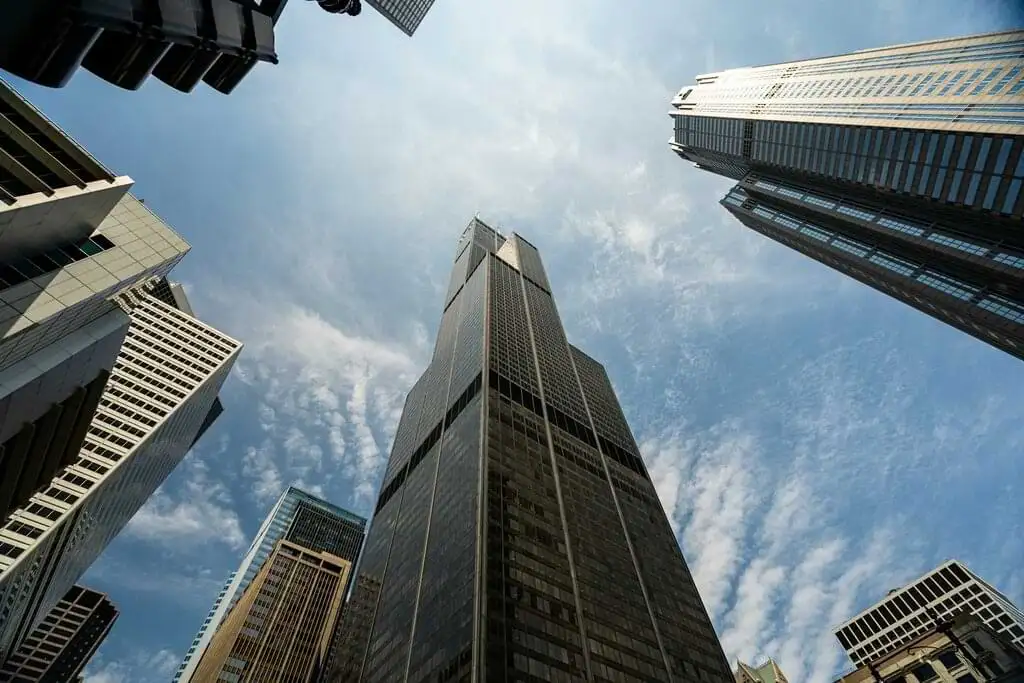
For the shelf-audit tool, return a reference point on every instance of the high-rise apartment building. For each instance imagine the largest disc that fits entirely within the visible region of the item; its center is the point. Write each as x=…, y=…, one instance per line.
x=180, y=42
x=281, y=627
x=769, y=672
x=517, y=534
x=166, y=378
x=71, y=238
x=298, y=518
x=60, y=647
x=99, y=385
x=900, y=167
x=913, y=610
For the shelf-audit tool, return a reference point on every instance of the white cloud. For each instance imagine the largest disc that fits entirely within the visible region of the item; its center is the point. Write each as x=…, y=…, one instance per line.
x=137, y=667
x=773, y=570
x=200, y=512
x=261, y=469
x=329, y=400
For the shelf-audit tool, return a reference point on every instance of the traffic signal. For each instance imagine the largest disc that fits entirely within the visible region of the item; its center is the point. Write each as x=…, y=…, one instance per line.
x=125, y=41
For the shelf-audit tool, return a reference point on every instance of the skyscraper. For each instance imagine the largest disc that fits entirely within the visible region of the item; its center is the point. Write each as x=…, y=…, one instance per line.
x=166, y=378
x=911, y=611
x=71, y=237
x=517, y=534
x=181, y=42
x=100, y=382
x=345, y=656
x=281, y=627
x=60, y=647
x=900, y=167
x=298, y=518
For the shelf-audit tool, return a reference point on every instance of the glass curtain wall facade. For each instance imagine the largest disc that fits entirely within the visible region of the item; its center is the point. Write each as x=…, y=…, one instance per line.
x=901, y=167
x=299, y=518
x=517, y=535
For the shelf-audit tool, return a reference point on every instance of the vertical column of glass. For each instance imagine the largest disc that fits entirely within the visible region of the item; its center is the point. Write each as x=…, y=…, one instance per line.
x=443, y=638
x=532, y=619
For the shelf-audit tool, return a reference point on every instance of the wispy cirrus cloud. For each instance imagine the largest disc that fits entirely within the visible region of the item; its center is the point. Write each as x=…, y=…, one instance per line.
x=327, y=399
x=815, y=497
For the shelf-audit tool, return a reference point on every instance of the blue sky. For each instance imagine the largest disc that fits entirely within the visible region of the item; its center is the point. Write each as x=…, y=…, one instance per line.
x=814, y=442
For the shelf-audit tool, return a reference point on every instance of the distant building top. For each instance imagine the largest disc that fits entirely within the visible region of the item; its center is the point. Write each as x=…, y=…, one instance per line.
x=769, y=672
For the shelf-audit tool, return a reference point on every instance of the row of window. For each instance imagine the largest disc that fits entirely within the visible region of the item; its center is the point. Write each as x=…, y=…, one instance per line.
x=907, y=602
x=1001, y=306
x=894, y=223
x=972, y=113
x=23, y=269
x=938, y=83
x=915, y=57
x=957, y=168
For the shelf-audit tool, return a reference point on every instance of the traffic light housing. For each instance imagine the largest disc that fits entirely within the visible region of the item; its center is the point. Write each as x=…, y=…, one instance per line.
x=181, y=42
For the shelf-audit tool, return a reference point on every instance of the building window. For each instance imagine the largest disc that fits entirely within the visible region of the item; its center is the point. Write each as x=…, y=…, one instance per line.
x=945, y=240
x=1007, y=309
x=924, y=673
x=949, y=285
x=1004, y=80
x=23, y=269
x=949, y=659
x=893, y=263
x=856, y=212
x=1010, y=260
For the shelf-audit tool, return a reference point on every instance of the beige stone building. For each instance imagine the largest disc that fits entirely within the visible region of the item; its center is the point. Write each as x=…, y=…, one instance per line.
x=958, y=650
x=280, y=630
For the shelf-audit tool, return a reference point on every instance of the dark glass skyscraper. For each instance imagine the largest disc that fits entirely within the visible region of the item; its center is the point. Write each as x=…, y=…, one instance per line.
x=517, y=535
x=901, y=167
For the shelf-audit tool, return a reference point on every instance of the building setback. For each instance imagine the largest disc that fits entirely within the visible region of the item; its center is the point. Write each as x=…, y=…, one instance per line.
x=299, y=518
x=280, y=629
x=911, y=611
x=60, y=647
x=517, y=532
x=900, y=167
x=166, y=378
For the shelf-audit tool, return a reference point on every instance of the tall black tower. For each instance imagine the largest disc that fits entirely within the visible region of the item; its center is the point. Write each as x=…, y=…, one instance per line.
x=517, y=535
